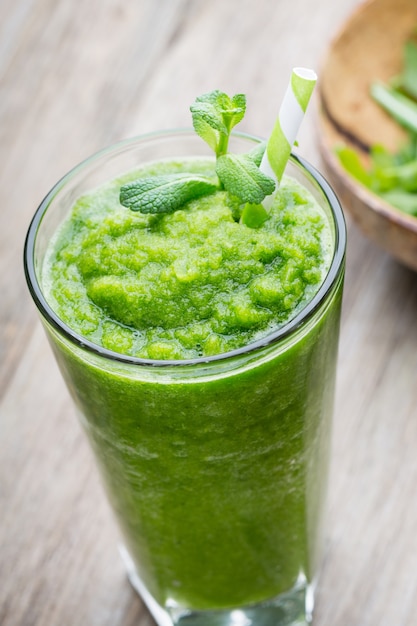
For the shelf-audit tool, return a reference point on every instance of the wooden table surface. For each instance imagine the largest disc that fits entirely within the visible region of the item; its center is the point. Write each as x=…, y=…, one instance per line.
x=74, y=77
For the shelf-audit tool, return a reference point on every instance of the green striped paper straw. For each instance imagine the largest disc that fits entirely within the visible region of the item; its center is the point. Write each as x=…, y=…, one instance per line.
x=291, y=114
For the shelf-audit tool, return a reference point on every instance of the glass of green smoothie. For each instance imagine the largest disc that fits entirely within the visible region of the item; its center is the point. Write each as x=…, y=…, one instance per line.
x=199, y=347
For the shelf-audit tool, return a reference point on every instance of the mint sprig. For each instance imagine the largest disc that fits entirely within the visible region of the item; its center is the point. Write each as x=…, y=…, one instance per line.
x=214, y=116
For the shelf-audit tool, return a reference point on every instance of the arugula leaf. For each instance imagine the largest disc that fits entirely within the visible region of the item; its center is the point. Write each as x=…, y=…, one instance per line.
x=214, y=115
x=166, y=193
x=242, y=177
x=409, y=78
x=402, y=108
x=352, y=164
x=402, y=200
x=403, y=175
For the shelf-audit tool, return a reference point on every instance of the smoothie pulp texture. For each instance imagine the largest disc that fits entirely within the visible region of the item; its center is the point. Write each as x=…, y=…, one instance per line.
x=192, y=283
x=215, y=470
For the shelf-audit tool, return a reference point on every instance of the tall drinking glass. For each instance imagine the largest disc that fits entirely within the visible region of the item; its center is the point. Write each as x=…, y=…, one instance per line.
x=216, y=468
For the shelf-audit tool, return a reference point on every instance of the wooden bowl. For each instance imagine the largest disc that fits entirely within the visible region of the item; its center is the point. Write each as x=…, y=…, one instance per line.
x=368, y=48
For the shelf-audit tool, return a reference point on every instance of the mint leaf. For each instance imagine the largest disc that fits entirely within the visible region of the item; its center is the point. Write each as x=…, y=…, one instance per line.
x=241, y=177
x=257, y=153
x=164, y=194
x=214, y=115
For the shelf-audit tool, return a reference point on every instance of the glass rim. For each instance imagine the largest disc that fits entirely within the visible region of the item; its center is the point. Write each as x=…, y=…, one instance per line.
x=274, y=337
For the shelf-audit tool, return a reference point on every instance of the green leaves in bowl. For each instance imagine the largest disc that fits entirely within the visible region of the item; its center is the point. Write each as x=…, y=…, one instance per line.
x=393, y=177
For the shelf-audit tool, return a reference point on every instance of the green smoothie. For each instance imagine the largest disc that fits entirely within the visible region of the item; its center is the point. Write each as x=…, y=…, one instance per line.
x=193, y=283
x=201, y=358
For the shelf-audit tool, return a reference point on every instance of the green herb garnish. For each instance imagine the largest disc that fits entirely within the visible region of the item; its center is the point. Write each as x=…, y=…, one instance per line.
x=214, y=116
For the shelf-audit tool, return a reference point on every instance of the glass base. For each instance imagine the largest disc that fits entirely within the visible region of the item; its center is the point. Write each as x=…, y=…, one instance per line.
x=294, y=608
